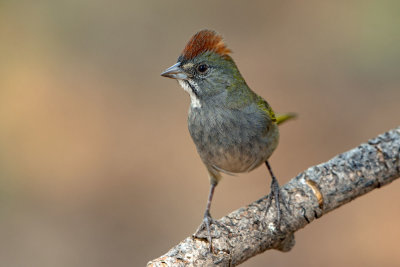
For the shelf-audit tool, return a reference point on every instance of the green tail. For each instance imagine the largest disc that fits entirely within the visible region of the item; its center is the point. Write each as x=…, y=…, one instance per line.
x=284, y=117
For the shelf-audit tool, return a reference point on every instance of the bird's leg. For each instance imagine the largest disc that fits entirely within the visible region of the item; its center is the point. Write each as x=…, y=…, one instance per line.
x=207, y=220
x=276, y=194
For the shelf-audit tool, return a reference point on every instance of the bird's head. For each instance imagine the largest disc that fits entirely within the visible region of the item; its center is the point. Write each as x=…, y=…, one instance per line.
x=205, y=69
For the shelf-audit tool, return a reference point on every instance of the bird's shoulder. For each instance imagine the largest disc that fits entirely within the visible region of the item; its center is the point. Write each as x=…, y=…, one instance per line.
x=242, y=97
x=265, y=107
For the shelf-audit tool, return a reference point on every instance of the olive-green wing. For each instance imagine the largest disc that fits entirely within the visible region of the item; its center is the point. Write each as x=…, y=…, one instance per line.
x=264, y=106
x=278, y=118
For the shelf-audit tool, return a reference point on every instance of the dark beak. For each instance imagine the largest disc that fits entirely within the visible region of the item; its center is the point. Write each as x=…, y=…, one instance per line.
x=175, y=72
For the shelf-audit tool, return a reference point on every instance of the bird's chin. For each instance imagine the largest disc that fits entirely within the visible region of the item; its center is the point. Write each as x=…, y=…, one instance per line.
x=192, y=90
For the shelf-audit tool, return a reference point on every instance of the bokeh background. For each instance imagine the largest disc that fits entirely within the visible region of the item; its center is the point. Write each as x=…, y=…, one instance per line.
x=97, y=167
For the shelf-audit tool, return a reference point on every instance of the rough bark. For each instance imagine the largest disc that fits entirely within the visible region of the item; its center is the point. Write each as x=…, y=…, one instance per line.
x=311, y=194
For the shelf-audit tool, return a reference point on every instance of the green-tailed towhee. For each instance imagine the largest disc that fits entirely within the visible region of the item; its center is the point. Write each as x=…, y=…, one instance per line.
x=234, y=129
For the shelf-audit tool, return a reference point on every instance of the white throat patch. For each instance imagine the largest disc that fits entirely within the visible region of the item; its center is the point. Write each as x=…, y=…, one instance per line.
x=194, y=100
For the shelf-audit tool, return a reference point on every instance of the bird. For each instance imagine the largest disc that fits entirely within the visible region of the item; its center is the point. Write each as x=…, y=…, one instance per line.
x=234, y=129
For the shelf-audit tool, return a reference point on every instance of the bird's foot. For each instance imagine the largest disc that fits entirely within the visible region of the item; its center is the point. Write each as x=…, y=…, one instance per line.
x=276, y=194
x=206, y=225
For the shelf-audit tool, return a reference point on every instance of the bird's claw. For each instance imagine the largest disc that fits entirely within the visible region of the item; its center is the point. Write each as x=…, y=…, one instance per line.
x=206, y=225
x=279, y=200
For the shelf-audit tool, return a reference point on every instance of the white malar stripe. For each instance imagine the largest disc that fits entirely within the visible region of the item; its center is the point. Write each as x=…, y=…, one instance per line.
x=194, y=100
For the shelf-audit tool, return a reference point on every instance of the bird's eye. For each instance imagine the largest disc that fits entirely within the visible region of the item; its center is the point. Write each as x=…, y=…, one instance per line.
x=202, y=68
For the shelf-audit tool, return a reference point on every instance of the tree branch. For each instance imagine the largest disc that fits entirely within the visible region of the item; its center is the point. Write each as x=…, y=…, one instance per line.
x=311, y=194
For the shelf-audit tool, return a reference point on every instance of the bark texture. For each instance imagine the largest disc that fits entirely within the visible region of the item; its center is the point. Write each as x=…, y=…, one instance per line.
x=320, y=189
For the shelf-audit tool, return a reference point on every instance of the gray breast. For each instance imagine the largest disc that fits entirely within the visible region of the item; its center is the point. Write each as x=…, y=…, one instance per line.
x=232, y=140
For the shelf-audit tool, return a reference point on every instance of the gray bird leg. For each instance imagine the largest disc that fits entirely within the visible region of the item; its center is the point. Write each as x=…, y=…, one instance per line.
x=276, y=194
x=207, y=216
x=207, y=220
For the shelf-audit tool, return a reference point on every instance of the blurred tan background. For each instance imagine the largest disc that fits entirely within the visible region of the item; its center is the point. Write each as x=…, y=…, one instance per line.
x=97, y=167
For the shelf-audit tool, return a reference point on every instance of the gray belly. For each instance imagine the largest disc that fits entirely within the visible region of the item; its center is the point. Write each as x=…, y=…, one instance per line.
x=232, y=141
